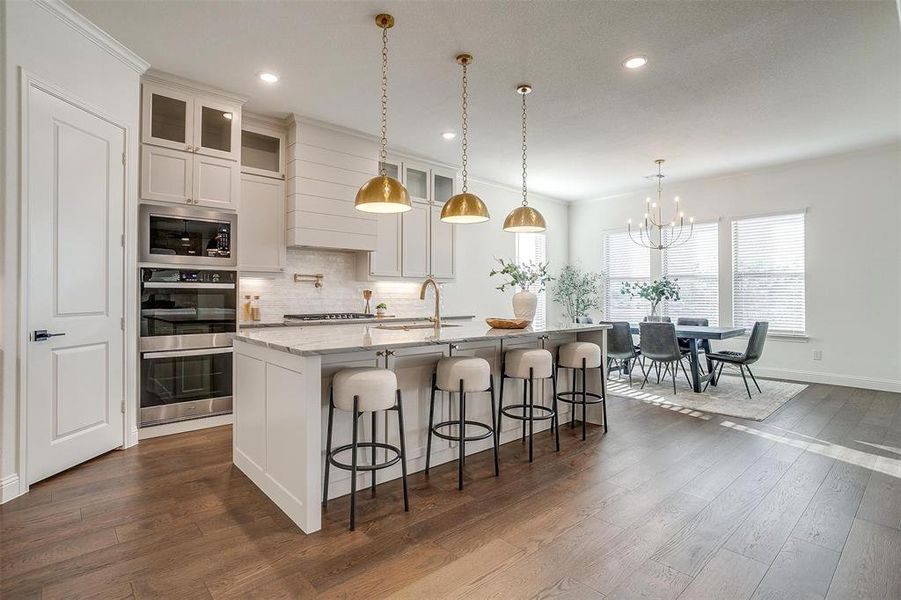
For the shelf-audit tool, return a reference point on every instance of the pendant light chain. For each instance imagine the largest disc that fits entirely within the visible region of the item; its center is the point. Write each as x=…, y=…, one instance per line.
x=525, y=201
x=465, y=126
x=383, y=152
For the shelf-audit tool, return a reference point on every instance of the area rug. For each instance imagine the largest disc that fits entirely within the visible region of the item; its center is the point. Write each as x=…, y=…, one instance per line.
x=729, y=398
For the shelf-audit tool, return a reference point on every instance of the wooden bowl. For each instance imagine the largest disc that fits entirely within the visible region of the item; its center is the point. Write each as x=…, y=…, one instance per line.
x=508, y=323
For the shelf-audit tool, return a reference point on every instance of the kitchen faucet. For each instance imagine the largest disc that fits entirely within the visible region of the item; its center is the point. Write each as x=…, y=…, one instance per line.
x=436, y=319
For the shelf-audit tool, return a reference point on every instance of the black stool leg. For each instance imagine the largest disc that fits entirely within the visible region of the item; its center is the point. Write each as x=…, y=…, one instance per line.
x=604, y=396
x=525, y=400
x=531, y=410
x=373, y=453
x=500, y=408
x=462, y=438
x=328, y=446
x=584, y=400
x=353, y=468
x=556, y=420
x=428, y=444
x=403, y=449
x=494, y=425
x=572, y=410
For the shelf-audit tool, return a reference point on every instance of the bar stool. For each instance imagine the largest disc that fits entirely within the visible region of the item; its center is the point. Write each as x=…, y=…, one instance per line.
x=360, y=391
x=581, y=356
x=463, y=375
x=530, y=364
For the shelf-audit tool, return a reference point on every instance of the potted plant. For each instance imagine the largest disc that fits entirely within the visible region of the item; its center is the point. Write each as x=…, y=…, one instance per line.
x=578, y=291
x=380, y=309
x=654, y=292
x=523, y=276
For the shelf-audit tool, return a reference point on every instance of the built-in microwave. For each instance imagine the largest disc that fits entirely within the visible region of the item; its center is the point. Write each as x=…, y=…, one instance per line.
x=183, y=235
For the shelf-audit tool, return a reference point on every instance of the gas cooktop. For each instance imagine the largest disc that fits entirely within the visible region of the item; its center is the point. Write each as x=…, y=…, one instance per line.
x=329, y=316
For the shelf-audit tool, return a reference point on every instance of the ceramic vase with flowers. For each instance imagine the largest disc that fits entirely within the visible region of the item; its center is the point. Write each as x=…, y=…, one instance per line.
x=526, y=277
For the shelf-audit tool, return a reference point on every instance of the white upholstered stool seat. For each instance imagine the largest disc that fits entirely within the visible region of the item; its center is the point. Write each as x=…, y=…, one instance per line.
x=572, y=354
x=518, y=362
x=475, y=373
x=376, y=389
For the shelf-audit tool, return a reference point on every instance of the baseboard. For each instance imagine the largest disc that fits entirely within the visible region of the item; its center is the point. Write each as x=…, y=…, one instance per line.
x=183, y=426
x=9, y=488
x=870, y=383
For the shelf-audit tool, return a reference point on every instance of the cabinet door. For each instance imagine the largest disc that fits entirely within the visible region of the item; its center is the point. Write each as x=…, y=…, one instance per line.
x=385, y=261
x=417, y=180
x=167, y=117
x=443, y=235
x=166, y=175
x=217, y=128
x=216, y=182
x=415, y=236
x=262, y=152
x=261, y=235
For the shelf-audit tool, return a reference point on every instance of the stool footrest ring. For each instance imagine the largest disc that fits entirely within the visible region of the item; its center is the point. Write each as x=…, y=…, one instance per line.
x=456, y=438
x=576, y=397
x=375, y=467
x=548, y=412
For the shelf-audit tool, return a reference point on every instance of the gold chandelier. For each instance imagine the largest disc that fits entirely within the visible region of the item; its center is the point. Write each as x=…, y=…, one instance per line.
x=383, y=194
x=524, y=219
x=464, y=207
x=654, y=232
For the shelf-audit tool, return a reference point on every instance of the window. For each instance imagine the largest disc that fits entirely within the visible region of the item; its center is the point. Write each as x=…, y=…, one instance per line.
x=768, y=272
x=624, y=260
x=532, y=248
x=695, y=265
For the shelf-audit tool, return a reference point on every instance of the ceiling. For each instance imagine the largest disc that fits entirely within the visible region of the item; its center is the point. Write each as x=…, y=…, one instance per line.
x=729, y=85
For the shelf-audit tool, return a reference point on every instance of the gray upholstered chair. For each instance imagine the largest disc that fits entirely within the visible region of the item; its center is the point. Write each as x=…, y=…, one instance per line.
x=694, y=322
x=743, y=359
x=662, y=320
x=660, y=345
x=621, y=350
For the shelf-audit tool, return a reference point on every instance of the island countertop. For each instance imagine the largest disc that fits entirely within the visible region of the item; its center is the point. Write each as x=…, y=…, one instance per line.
x=339, y=338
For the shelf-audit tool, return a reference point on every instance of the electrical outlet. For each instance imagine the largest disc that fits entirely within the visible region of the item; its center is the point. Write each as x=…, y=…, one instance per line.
x=818, y=355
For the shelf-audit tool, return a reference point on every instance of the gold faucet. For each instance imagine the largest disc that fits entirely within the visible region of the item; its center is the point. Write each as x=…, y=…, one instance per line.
x=436, y=319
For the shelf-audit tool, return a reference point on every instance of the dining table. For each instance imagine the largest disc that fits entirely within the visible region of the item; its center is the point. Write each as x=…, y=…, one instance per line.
x=699, y=336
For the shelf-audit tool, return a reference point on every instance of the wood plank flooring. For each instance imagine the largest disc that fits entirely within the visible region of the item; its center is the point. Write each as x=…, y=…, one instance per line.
x=806, y=504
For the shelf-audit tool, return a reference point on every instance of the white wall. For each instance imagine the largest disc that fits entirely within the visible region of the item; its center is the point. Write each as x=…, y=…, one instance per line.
x=853, y=255
x=56, y=45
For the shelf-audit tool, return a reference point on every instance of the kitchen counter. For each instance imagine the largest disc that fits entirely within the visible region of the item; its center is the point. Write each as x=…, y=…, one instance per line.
x=296, y=323
x=281, y=384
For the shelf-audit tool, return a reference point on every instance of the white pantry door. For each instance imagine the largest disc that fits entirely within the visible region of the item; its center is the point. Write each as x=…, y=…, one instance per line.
x=75, y=217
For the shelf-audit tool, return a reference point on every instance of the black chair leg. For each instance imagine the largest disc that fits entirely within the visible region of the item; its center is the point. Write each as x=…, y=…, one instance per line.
x=754, y=379
x=353, y=466
x=373, y=453
x=684, y=372
x=531, y=410
x=328, y=446
x=711, y=378
x=673, y=365
x=494, y=418
x=584, y=400
x=462, y=438
x=745, y=379
x=646, y=374
x=428, y=444
x=403, y=449
x=631, y=365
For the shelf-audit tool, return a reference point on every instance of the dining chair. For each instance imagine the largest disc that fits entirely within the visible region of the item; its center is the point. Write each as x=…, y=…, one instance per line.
x=662, y=320
x=694, y=322
x=742, y=359
x=621, y=349
x=660, y=345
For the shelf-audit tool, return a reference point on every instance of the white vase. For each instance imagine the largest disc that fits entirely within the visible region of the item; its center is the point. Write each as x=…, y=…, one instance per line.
x=524, y=305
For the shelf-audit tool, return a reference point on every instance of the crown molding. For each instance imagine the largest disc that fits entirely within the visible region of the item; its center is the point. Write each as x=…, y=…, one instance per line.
x=94, y=34
x=191, y=86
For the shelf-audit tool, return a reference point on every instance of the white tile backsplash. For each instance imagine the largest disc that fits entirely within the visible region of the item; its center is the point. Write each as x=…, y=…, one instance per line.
x=340, y=291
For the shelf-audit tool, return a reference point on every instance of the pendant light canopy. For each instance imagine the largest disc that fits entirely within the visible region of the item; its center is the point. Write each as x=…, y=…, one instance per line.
x=383, y=194
x=464, y=207
x=524, y=219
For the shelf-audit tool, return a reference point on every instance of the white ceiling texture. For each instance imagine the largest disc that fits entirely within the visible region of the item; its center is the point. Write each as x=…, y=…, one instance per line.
x=728, y=86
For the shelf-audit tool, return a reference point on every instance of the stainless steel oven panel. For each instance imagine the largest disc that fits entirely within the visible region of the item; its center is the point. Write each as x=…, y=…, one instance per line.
x=196, y=409
x=198, y=352
x=163, y=285
x=185, y=212
x=186, y=342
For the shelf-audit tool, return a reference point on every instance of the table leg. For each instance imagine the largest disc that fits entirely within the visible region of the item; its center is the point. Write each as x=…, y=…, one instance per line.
x=695, y=373
x=706, y=345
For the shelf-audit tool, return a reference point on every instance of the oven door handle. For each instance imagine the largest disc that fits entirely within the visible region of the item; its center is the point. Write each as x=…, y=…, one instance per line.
x=179, y=353
x=189, y=284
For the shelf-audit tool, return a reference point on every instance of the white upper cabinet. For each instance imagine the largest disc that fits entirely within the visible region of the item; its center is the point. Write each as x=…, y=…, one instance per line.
x=217, y=129
x=415, y=240
x=443, y=238
x=417, y=181
x=262, y=149
x=167, y=118
x=167, y=175
x=261, y=235
x=216, y=182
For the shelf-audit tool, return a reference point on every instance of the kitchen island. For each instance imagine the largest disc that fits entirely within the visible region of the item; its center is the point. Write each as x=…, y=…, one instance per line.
x=281, y=381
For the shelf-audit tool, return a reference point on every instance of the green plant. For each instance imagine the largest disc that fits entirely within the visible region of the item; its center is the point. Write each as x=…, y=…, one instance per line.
x=522, y=276
x=381, y=306
x=578, y=291
x=654, y=292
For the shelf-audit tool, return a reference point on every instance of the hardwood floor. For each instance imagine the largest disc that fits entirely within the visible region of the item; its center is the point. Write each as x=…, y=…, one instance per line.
x=806, y=504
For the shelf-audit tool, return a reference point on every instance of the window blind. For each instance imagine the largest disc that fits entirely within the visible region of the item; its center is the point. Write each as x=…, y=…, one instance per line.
x=532, y=248
x=695, y=264
x=624, y=260
x=768, y=272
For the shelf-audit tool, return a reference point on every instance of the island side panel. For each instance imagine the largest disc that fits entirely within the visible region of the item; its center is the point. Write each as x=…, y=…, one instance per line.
x=277, y=437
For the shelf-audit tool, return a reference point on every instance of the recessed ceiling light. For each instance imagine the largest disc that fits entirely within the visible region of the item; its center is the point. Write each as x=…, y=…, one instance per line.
x=269, y=77
x=448, y=135
x=635, y=62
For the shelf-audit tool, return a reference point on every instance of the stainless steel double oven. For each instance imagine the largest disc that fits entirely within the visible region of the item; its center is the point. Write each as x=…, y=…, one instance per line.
x=188, y=321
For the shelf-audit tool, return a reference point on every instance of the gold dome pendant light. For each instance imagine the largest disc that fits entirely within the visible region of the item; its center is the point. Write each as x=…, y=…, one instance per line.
x=464, y=207
x=524, y=219
x=383, y=194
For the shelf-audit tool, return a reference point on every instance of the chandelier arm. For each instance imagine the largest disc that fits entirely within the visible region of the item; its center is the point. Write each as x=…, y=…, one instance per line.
x=634, y=241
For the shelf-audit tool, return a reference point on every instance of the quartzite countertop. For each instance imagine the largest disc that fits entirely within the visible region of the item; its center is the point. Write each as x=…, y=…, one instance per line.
x=281, y=384
x=350, y=337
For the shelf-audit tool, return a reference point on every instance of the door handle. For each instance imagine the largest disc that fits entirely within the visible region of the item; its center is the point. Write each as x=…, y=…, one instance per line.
x=41, y=335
